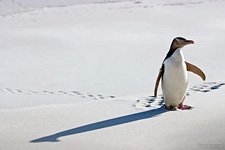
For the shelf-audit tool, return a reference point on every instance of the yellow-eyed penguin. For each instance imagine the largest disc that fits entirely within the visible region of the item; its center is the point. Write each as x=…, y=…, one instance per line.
x=174, y=75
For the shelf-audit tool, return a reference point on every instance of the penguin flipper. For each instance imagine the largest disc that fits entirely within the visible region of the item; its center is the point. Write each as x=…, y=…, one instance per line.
x=196, y=70
x=158, y=79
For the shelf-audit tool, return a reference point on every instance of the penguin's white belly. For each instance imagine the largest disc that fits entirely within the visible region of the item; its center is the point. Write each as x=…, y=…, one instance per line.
x=175, y=81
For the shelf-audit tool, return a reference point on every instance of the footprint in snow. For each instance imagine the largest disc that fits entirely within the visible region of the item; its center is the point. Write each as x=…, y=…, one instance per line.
x=149, y=102
x=207, y=87
x=60, y=92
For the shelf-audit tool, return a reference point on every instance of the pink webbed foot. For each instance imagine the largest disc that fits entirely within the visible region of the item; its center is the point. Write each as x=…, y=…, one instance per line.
x=184, y=107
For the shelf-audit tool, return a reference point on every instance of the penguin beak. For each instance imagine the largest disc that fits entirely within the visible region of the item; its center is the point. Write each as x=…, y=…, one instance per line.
x=189, y=42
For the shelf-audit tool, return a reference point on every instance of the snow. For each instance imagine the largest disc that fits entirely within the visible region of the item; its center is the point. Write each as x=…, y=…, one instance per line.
x=9, y=7
x=82, y=76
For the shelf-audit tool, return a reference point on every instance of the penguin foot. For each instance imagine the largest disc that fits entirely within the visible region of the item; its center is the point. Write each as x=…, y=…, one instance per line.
x=170, y=108
x=184, y=107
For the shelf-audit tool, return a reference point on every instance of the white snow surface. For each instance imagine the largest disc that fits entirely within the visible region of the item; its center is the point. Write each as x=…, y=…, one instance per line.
x=80, y=74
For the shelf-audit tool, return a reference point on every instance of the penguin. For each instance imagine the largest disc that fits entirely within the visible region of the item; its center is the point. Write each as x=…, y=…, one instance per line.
x=174, y=75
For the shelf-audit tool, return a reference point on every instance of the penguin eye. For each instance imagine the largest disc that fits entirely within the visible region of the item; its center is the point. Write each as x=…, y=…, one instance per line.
x=178, y=40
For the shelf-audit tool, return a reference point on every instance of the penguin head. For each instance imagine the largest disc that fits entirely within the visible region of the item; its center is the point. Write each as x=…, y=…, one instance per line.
x=180, y=42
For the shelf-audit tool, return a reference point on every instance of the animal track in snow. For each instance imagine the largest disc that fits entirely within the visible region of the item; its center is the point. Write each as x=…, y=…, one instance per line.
x=149, y=102
x=59, y=92
x=144, y=102
x=207, y=87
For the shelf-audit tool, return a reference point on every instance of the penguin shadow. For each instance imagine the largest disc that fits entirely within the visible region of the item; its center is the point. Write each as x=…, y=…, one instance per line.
x=102, y=124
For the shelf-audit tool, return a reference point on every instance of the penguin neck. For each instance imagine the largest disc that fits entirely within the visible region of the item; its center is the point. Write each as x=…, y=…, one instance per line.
x=172, y=51
x=178, y=55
